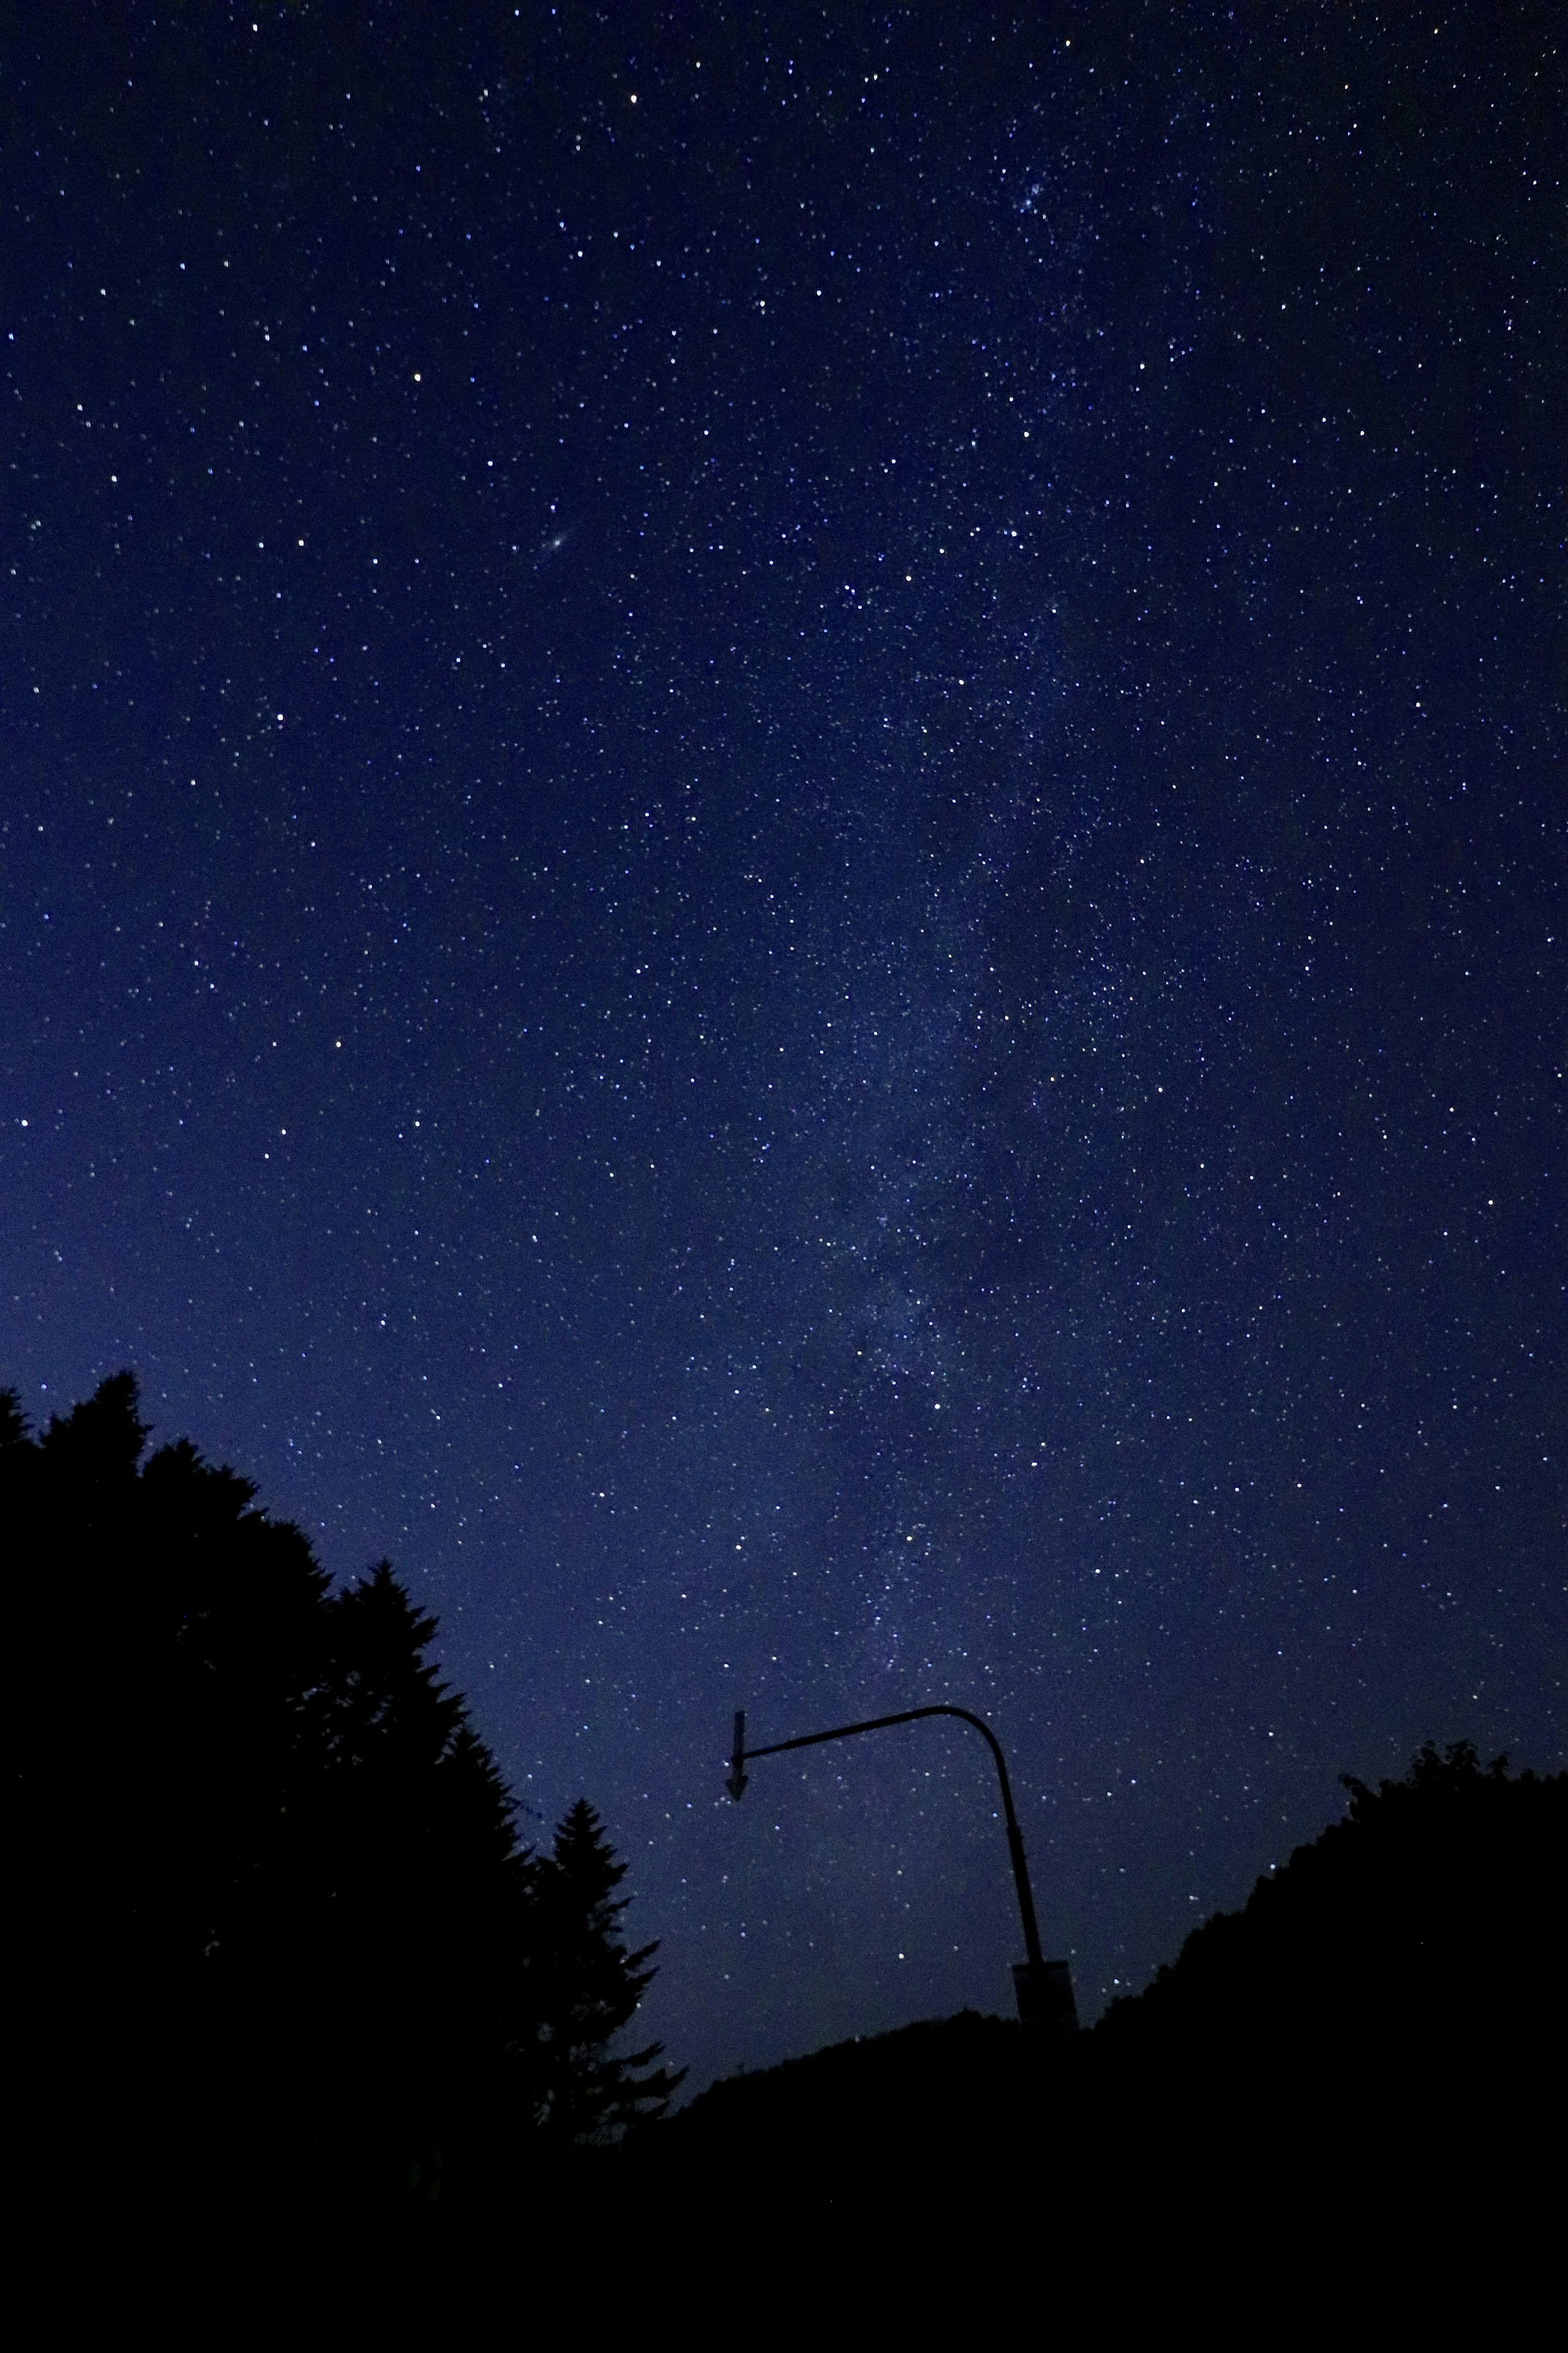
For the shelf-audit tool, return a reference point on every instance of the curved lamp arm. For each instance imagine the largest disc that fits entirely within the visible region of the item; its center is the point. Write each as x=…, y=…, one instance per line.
x=741, y=1755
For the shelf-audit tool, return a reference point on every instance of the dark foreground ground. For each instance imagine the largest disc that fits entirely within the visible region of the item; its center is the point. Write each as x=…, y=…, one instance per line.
x=1350, y=2094
x=1342, y=2106
x=956, y=2175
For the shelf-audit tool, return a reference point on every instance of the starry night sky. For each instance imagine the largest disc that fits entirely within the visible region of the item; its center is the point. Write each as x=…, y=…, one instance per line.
x=781, y=856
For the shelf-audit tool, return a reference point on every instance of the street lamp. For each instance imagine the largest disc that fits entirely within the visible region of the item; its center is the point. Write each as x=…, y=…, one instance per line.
x=1044, y=1989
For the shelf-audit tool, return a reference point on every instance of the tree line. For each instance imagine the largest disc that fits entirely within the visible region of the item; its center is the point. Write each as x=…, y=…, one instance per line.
x=284, y=1930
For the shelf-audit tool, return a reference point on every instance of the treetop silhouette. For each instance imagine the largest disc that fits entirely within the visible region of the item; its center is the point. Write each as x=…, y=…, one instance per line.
x=282, y=1906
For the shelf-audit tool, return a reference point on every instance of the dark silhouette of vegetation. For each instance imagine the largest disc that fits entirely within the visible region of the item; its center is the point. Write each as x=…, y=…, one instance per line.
x=1386, y=2007
x=286, y=1943
x=588, y=1985
x=1420, y=1939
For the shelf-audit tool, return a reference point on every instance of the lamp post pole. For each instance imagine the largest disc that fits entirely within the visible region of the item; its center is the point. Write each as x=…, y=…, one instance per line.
x=1044, y=1989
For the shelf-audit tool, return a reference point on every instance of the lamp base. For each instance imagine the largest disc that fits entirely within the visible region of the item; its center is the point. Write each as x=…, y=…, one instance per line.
x=1044, y=1991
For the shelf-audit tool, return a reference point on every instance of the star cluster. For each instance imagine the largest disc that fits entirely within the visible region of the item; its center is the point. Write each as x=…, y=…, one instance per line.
x=784, y=848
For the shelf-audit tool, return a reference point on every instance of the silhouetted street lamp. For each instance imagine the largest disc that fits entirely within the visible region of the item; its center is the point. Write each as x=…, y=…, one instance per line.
x=1044, y=1989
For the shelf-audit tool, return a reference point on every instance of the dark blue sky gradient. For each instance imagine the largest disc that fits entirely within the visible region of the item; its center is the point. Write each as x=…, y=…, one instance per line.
x=782, y=842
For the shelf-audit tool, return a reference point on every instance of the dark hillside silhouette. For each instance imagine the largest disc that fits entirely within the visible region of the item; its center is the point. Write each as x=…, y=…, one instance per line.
x=1390, y=1999
x=283, y=1940
x=856, y=2114
x=1419, y=1943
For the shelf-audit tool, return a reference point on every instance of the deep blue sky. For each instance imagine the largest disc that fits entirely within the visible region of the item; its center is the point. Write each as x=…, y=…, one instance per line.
x=782, y=846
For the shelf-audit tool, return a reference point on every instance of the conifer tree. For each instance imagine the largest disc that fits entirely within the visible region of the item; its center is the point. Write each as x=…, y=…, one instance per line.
x=588, y=1988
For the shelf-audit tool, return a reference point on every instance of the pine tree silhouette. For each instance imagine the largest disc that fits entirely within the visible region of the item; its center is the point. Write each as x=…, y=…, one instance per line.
x=588, y=1988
